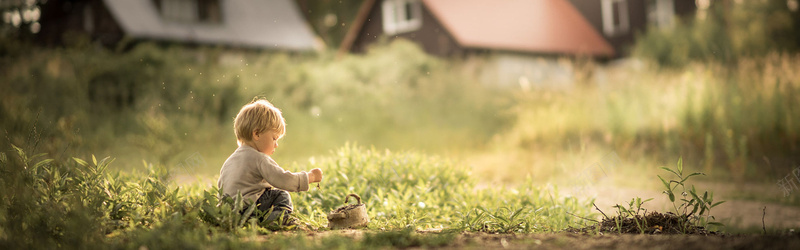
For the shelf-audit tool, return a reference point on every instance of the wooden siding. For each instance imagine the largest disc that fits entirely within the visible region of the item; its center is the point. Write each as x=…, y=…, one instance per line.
x=432, y=36
x=637, y=14
x=62, y=17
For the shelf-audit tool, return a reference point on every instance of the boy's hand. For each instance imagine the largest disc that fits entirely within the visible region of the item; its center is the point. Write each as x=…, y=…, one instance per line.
x=315, y=175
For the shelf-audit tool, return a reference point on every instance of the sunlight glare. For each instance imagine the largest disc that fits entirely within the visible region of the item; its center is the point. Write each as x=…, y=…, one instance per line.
x=35, y=27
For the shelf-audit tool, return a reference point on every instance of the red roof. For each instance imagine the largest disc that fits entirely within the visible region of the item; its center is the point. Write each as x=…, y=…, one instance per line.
x=540, y=26
x=536, y=26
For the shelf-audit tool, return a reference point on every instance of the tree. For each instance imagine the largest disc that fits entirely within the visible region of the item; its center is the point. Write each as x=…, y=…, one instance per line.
x=20, y=18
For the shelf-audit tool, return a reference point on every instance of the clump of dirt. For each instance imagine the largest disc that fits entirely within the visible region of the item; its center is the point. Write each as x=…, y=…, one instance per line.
x=652, y=223
x=345, y=208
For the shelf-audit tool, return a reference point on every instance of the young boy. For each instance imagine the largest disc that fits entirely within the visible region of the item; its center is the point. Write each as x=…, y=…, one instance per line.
x=249, y=170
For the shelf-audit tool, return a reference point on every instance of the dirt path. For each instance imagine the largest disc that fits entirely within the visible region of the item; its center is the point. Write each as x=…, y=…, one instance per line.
x=576, y=241
x=738, y=213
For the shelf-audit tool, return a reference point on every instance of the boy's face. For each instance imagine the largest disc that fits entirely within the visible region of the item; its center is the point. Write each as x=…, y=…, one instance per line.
x=266, y=142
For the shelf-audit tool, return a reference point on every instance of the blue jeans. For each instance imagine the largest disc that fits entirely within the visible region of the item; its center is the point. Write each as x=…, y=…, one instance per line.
x=279, y=201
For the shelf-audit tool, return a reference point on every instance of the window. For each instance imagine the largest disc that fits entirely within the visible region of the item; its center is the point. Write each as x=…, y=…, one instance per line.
x=190, y=11
x=401, y=16
x=660, y=12
x=88, y=19
x=615, y=17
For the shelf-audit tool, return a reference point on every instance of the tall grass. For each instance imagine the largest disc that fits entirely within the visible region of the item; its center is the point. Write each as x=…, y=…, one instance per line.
x=162, y=104
x=412, y=190
x=737, y=122
x=77, y=203
x=725, y=33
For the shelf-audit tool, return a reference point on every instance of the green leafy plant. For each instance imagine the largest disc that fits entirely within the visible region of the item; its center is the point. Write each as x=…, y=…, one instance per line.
x=633, y=211
x=78, y=203
x=501, y=220
x=694, y=209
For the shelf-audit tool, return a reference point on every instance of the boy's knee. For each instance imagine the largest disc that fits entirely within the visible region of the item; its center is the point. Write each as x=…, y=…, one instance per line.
x=274, y=199
x=284, y=201
x=277, y=204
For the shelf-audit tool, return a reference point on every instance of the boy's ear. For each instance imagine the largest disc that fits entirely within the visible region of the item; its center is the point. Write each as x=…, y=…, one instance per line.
x=255, y=135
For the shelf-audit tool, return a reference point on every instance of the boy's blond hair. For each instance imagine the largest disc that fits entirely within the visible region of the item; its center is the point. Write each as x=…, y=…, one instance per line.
x=259, y=116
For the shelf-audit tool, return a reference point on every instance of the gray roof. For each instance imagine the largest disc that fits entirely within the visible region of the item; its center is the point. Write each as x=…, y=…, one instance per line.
x=275, y=24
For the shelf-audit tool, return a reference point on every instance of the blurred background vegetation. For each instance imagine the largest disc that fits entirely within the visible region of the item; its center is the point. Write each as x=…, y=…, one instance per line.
x=719, y=90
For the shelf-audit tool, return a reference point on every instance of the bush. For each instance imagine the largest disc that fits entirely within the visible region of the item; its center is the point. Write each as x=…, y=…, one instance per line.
x=745, y=29
x=86, y=99
x=158, y=103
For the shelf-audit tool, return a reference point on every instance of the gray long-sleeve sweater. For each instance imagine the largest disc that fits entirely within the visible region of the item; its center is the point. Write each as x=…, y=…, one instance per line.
x=250, y=172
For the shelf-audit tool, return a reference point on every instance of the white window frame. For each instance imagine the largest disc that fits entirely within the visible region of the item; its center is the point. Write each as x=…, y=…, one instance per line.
x=661, y=13
x=395, y=13
x=609, y=29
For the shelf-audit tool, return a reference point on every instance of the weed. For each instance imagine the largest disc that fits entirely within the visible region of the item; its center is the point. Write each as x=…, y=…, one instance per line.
x=691, y=214
x=78, y=203
x=633, y=212
x=694, y=209
x=501, y=220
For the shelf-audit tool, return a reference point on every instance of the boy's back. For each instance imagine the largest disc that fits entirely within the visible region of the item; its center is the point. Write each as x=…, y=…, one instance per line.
x=251, y=172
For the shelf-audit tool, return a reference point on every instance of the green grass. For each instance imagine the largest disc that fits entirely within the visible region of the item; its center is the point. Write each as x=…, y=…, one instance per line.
x=84, y=204
x=734, y=123
x=440, y=149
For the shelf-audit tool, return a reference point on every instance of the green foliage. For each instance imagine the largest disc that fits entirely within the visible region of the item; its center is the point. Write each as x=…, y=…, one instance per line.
x=133, y=97
x=409, y=190
x=635, y=212
x=691, y=214
x=40, y=206
x=223, y=211
x=726, y=120
x=688, y=204
x=158, y=102
x=77, y=203
x=502, y=220
x=405, y=99
x=726, y=32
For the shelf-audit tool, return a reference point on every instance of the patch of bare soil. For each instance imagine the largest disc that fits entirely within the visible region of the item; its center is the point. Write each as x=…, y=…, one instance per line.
x=652, y=223
x=737, y=213
x=624, y=241
x=568, y=240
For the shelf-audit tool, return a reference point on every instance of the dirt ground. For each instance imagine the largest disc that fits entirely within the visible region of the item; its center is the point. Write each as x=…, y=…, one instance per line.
x=736, y=212
x=567, y=240
x=615, y=241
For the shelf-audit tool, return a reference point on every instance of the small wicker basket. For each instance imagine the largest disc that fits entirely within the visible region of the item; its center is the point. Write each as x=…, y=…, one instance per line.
x=349, y=216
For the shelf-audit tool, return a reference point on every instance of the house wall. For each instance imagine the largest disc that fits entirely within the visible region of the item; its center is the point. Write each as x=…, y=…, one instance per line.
x=432, y=36
x=637, y=13
x=494, y=68
x=684, y=8
x=89, y=17
x=107, y=30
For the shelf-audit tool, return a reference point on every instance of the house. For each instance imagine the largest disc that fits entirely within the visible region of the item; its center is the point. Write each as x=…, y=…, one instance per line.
x=620, y=20
x=522, y=39
x=456, y=27
x=254, y=24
